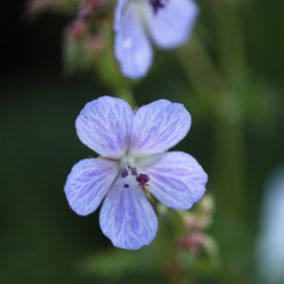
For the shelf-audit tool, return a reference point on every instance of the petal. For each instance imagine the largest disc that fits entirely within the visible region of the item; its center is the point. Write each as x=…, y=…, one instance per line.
x=104, y=125
x=127, y=218
x=88, y=183
x=177, y=180
x=171, y=26
x=158, y=126
x=119, y=11
x=132, y=47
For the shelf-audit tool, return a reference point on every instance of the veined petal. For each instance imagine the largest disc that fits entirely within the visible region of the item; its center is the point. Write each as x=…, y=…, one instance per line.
x=171, y=26
x=158, y=126
x=104, y=125
x=177, y=180
x=127, y=218
x=88, y=183
x=132, y=47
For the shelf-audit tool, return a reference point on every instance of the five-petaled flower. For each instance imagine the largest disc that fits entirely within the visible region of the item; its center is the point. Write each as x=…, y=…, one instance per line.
x=133, y=159
x=167, y=23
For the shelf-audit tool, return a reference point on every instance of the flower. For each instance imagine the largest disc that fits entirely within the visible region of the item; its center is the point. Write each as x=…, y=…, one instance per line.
x=167, y=23
x=133, y=161
x=270, y=245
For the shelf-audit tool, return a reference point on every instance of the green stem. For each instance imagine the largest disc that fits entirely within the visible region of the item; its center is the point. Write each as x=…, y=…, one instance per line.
x=127, y=95
x=200, y=69
x=229, y=184
x=229, y=191
x=231, y=47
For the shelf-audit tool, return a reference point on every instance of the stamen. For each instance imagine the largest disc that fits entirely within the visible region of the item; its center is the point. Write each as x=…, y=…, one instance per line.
x=124, y=173
x=143, y=179
x=157, y=5
x=126, y=185
x=134, y=171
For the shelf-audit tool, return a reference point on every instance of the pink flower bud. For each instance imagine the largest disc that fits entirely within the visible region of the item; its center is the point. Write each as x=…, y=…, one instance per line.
x=192, y=242
x=77, y=29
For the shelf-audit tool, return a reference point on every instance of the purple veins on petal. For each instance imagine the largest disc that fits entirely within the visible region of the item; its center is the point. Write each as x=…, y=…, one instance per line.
x=127, y=218
x=88, y=183
x=177, y=180
x=158, y=126
x=104, y=125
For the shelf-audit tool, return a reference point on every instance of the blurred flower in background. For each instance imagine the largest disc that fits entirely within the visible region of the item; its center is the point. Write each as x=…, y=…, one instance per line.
x=270, y=250
x=168, y=23
x=195, y=247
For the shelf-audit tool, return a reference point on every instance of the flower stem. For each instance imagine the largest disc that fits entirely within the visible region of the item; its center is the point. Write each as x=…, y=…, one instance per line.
x=230, y=39
x=229, y=190
x=127, y=95
x=200, y=69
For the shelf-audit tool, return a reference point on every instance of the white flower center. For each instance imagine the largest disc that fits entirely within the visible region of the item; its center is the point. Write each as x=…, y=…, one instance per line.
x=127, y=162
x=130, y=173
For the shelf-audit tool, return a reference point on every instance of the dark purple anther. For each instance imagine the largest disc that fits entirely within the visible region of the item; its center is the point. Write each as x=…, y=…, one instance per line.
x=157, y=5
x=124, y=173
x=142, y=180
x=134, y=171
x=126, y=185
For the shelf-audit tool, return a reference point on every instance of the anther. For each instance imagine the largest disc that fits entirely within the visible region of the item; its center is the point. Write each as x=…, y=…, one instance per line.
x=124, y=173
x=142, y=180
x=126, y=185
x=134, y=171
x=157, y=5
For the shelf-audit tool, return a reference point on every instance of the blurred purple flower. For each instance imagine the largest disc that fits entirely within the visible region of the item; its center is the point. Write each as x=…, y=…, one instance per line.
x=133, y=159
x=167, y=23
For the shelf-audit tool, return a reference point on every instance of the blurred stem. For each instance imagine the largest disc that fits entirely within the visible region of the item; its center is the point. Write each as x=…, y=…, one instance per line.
x=231, y=47
x=228, y=186
x=127, y=95
x=200, y=69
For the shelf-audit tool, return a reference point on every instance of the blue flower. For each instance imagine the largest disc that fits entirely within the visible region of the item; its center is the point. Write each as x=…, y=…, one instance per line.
x=133, y=161
x=167, y=23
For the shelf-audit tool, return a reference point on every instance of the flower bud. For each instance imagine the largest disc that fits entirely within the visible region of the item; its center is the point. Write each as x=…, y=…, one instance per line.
x=77, y=29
